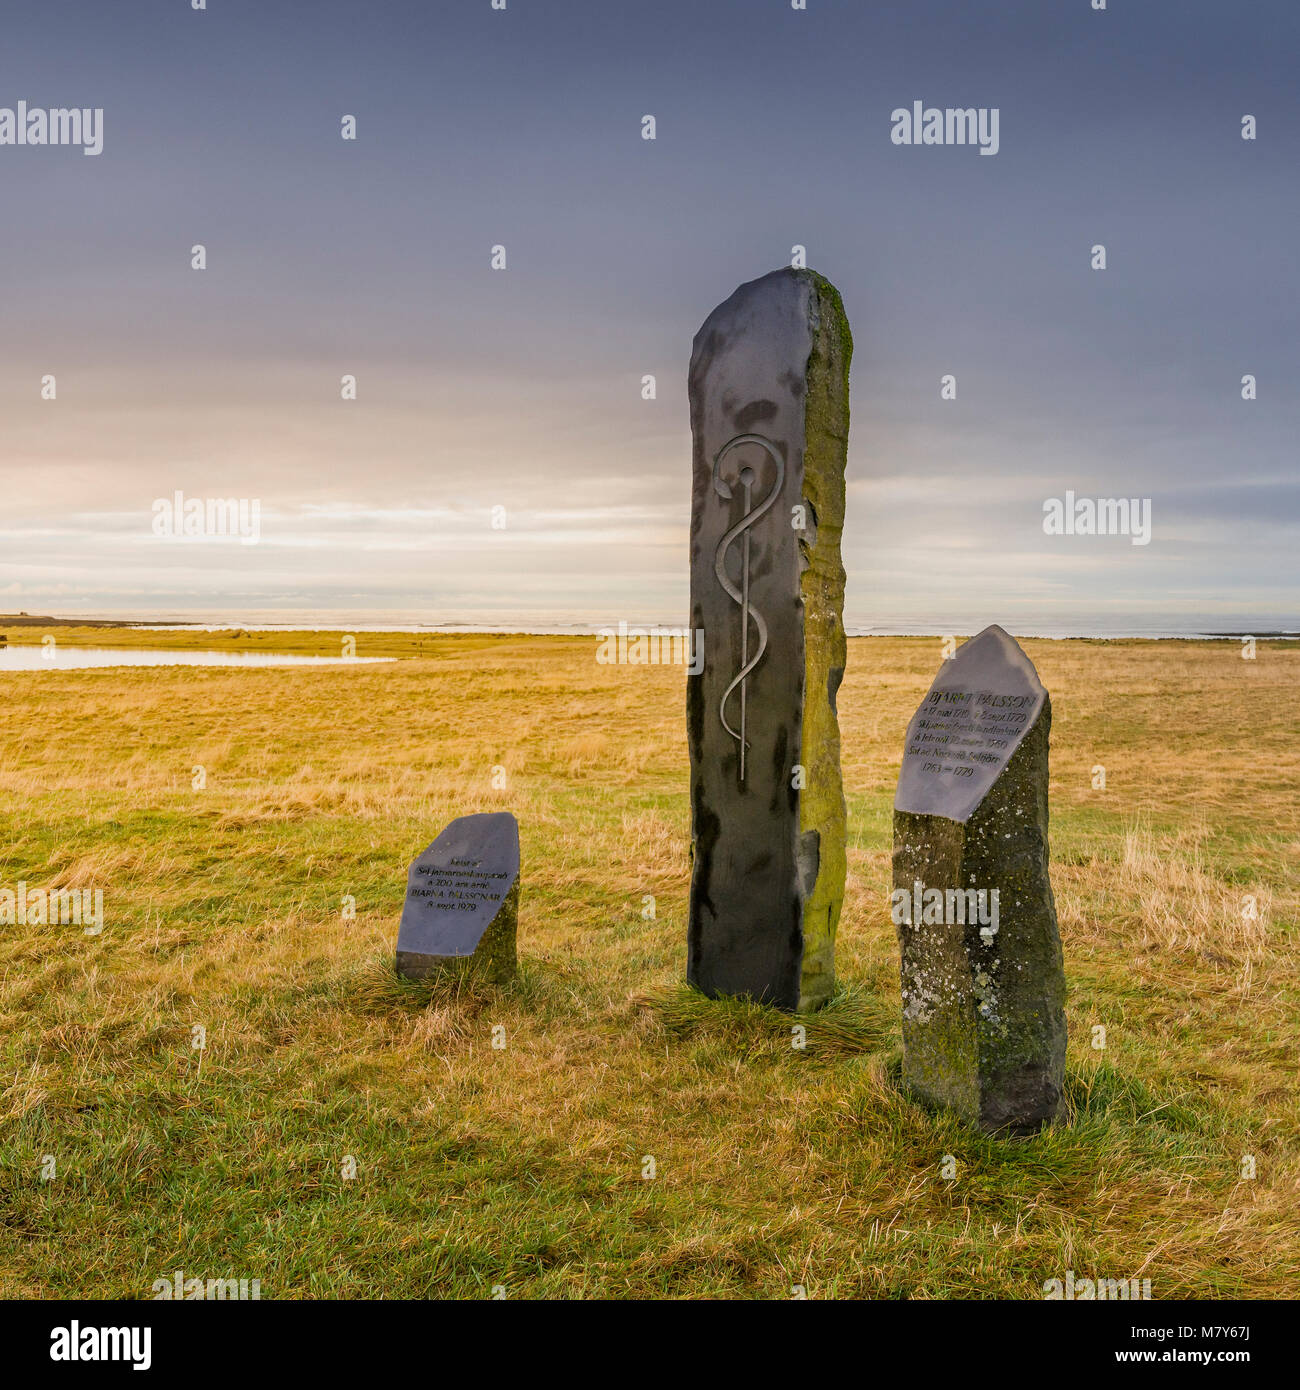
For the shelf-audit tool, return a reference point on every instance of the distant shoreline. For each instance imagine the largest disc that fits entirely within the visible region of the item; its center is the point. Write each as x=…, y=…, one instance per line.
x=45, y=621
x=28, y=620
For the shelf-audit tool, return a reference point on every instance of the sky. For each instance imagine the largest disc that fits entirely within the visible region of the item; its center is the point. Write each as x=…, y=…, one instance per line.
x=499, y=463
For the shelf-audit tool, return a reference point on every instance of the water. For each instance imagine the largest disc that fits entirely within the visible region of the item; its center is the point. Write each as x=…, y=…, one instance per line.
x=1211, y=630
x=82, y=658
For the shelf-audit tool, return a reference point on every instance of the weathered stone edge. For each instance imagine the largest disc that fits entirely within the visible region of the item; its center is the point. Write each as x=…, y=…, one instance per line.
x=822, y=810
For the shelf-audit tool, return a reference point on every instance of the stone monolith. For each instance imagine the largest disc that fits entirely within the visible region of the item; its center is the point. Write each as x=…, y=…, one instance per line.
x=982, y=972
x=770, y=420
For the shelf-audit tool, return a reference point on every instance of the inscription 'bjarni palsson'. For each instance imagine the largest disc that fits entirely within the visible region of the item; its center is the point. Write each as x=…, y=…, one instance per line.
x=462, y=885
x=957, y=730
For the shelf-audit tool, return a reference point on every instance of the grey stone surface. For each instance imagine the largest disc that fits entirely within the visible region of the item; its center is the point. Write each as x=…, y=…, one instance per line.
x=982, y=704
x=462, y=901
x=769, y=418
x=983, y=1004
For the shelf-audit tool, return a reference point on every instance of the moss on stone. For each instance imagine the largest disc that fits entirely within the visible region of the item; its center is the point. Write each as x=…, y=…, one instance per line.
x=821, y=804
x=984, y=1020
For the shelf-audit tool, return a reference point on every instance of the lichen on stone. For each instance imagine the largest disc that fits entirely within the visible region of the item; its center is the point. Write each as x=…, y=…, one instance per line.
x=821, y=804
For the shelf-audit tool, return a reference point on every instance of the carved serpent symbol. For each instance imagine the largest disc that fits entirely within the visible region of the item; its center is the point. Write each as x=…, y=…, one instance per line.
x=741, y=530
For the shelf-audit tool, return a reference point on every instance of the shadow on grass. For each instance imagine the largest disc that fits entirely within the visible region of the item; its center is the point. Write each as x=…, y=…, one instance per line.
x=853, y=1022
x=1105, y=1110
x=376, y=987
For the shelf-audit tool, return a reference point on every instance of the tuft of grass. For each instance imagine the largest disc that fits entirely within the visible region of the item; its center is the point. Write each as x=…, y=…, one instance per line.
x=852, y=1022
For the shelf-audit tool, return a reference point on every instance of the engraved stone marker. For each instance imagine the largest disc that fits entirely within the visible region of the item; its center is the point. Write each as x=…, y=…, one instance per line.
x=462, y=901
x=770, y=419
x=982, y=972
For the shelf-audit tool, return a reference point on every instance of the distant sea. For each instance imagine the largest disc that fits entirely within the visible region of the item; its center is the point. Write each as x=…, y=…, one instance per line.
x=1274, y=626
x=1135, y=625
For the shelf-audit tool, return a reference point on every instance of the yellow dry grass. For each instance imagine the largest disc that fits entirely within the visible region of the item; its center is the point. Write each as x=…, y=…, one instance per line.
x=523, y=1165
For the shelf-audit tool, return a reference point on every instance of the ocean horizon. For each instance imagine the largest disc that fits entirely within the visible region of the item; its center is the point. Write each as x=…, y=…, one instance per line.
x=1144, y=627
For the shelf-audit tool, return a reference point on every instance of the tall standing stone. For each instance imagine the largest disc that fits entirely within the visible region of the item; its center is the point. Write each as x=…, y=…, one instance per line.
x=983, y=977
x=770, y=419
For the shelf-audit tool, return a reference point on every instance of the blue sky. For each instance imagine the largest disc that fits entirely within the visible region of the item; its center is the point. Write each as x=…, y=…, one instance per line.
x=521, y=388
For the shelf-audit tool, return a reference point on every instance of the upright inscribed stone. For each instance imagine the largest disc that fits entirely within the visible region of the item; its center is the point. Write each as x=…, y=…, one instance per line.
x=769, y=392
x=982, y=972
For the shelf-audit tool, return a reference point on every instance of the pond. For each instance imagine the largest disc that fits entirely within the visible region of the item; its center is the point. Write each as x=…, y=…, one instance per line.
x=59, y=658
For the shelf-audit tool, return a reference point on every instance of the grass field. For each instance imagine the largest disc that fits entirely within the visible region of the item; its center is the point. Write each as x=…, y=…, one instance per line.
x=522, y=1166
